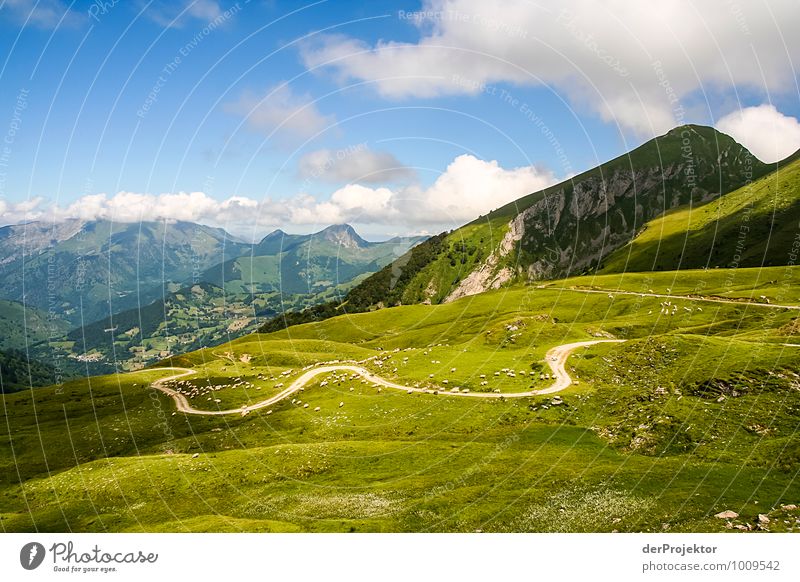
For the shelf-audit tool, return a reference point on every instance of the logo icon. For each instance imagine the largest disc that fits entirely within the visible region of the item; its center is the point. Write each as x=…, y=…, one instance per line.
x=31, y=555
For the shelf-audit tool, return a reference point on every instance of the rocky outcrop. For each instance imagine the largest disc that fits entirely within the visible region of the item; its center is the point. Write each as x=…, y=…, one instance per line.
x=488, y=275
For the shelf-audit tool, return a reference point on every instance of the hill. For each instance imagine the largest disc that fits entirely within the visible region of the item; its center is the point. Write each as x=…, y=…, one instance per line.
x=753, y=226
x=20, y=372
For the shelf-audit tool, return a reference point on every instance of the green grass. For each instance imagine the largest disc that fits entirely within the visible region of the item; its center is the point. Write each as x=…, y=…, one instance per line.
x=695, y=414
x=753, y=226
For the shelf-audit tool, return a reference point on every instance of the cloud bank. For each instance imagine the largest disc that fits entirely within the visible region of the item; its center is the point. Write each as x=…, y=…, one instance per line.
x=468, y=188
x=630, y=62
x=357, y=164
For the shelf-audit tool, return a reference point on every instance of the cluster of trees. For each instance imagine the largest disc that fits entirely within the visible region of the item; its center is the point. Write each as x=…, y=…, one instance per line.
x=18, y=372
x=460, y=253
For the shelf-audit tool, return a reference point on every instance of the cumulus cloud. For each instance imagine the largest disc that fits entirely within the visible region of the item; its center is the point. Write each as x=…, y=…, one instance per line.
x=468, y=188
x=47, y=14
x=765, y=131
x=354, y=164
x=279, y=112
x=639, y=64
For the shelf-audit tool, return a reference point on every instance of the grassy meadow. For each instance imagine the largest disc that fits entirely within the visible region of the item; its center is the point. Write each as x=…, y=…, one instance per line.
x=695, y=413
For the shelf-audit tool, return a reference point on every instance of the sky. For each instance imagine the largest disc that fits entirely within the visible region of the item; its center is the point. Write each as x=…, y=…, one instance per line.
x=397, y=117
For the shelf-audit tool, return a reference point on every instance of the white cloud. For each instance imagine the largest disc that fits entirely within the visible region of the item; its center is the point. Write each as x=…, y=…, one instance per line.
x=205, y=9
x=352, y=203
x=279, y=112
x=354, y=164
x=47, y=14
x=177, y=14
x=468, y=188
x=629, y=61
x=769, y=134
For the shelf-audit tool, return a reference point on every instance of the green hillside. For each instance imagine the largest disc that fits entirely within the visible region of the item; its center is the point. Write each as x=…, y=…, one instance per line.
x=25, y=327
x=18, y=372
x=752, y=226
x=694, y=414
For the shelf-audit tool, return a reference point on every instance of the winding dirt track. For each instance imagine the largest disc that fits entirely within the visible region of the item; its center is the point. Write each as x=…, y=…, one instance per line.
x=556, y=359
x=742, y=302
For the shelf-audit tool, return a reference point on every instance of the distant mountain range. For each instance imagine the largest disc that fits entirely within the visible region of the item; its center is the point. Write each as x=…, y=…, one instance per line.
x=132, y=293
x=83, y=271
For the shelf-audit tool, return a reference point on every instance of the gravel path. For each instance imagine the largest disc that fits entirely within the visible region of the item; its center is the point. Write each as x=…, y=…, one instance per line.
x=556, y=358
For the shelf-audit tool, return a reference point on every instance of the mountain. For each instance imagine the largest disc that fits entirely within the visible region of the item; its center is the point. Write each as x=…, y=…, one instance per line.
x=753, y=226
x=31, y=238
x=566, y=229
x=82, y=271
x=306, y=264
x=569, y=228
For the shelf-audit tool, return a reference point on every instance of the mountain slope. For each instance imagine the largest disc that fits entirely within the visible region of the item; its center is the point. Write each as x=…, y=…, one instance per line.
x=753, y=226
x=22, y=326
x=564, y=230
x=19, y=372
x=197, y=316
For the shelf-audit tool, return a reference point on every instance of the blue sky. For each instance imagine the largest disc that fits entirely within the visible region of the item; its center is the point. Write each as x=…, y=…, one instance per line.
x=389, y=119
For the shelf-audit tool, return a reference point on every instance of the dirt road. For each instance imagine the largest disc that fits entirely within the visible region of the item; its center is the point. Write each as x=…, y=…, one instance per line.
x=734, y=301
x=556, y=359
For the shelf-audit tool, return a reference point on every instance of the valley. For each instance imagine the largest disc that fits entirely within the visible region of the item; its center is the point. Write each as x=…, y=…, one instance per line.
x=599, y=356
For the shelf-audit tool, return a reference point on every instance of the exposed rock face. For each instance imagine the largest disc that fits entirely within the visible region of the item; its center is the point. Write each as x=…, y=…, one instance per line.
x=488, y=276
x=603, y=213
x=34, y=237
x=344, y=236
